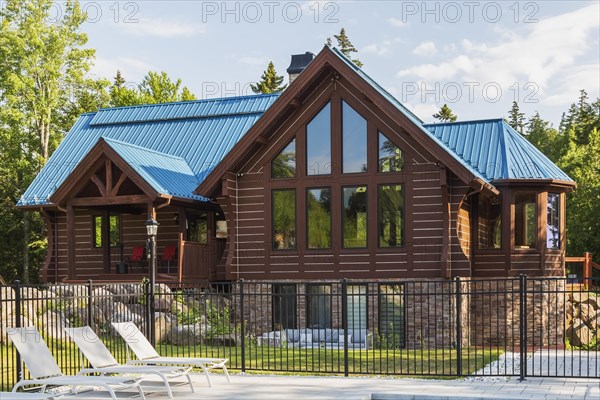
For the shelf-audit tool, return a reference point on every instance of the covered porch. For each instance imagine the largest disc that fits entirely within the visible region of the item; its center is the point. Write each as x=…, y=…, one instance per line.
x=98, y=231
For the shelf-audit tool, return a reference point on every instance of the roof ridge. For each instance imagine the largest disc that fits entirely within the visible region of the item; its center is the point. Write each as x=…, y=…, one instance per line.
x=109, y=140
x=189, y=101
x=464, y=122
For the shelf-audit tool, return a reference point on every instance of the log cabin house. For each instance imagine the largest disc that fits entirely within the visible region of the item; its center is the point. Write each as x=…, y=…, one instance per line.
x=331, y=178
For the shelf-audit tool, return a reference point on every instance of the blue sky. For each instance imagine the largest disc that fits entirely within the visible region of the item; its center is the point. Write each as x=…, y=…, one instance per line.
x=477, y=56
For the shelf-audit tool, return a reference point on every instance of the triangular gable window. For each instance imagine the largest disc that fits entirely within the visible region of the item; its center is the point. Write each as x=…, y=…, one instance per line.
x=391, y=158
x=284, y=164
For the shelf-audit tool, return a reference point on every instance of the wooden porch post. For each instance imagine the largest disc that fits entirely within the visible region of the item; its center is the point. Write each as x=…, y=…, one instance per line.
x=70, y=242
x=587, y=269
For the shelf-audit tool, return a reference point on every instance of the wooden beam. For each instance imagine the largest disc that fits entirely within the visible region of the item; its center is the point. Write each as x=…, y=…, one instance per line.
x=115, y=189
x=151, y=210
x=108, y=200
x=99, y=183
x=70, y=242
x=261, y=140
x=296, y=103
x=105, y=235
x=108, y=168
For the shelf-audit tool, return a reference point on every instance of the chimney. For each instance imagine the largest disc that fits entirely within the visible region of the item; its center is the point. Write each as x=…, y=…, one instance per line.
x=298, y=64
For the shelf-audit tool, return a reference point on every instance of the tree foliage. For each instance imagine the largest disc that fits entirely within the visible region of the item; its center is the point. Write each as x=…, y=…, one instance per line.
x=445, y=114
x=155, y=88
x=575, y=147
x=516, y=118
x=345, y=46
x=270, y=82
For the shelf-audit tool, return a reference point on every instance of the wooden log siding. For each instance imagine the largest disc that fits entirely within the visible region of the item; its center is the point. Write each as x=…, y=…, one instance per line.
x=245, y=197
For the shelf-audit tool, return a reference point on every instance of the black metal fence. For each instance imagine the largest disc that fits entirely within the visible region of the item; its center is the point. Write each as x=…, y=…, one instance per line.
x=464, y=327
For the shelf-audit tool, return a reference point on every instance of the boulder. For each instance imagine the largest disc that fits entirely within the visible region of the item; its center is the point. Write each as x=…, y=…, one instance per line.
x=162, y=327
x=72, y=291
x=187, y=335
x=162, y=303
x=578, y=333
x=120, y=292
x=179, y=308
x=110, y=307
x=126, y=316
x=161, y=288
x=135, y=290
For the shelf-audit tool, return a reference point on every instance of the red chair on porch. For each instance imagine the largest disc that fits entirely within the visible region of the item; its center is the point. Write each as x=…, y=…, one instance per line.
x=137, y=258
x=169, y=258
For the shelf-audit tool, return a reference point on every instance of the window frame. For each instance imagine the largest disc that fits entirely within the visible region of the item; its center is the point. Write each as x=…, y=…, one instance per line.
x=331, y=206
x=521, y=248
x=559, y=220
x=295, y=191
x=477, y=215
x=403, y=245
x=342, y=217
x=331, y=143
x=366, y=134
x=105, y=219
x=326, y=297
x=293, y=139
x=277, y=298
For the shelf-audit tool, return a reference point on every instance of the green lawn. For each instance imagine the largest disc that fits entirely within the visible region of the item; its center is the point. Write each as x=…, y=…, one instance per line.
x=290, y=361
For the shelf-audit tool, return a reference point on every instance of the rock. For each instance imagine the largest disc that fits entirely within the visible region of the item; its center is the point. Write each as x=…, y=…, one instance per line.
x=578, y=333
x=162, y=327
x=126, y=316
x=136, y=291
x=79, y=317
x=139, y=309
x=179, y=308
x=120, y=293
x=228, y=340
x=162, y=303
x=590, y=317
x=187, y=335
x=6, y=293
x=161, y=288
x=72, y=291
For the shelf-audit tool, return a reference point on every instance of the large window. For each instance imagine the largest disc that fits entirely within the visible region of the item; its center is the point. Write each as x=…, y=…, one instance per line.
x=357, y=307
x=197, y=227
x=318, y=306
x=489, y=225
x=114, y=222
x=318, y=203
x=525, y=221
x=390, y=156
x=284, y=164
x=354, y=140
x=318, y=143
x=390, y=200
x=355, y=216
x=553, y=221
x=284, y=307
x=284, y=219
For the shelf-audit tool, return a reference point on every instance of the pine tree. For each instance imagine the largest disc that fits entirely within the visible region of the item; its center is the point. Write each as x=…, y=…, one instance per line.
x=346, y=47
x=328, y=42
x=270, y=82
x=445, y=114
x=516, y=119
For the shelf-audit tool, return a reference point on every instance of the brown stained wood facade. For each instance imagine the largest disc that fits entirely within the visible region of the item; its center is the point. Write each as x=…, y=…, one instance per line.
x=441, y=214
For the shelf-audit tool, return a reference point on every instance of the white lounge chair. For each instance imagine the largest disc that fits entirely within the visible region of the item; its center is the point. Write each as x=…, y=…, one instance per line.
x=25, y=396
x=147, y=355
x=45, y=371
x=103, y=362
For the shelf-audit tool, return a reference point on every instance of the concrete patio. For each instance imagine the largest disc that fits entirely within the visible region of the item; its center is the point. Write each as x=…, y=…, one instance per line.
x=265, y=387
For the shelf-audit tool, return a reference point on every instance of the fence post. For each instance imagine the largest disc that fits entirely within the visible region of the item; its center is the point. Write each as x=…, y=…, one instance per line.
x=523, y=327
x=458, y=327
x=17, y=289
x=89, y=303
x=242, y=326
x=345, y=322
x=148, y=310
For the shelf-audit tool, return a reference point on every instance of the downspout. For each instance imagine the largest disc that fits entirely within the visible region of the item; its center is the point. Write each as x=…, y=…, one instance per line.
x=237, y=247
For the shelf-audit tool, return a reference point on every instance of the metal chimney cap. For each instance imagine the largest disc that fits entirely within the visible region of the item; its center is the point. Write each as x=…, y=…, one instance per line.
x=300, y=62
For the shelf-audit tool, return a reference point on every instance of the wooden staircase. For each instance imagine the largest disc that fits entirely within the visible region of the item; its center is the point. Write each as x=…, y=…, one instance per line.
x=588, y=266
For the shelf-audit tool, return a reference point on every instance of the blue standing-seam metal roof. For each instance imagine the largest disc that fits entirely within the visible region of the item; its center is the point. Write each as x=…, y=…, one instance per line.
x=199, y=133
x=166, y=174
x=496, y=150
x=174, y=146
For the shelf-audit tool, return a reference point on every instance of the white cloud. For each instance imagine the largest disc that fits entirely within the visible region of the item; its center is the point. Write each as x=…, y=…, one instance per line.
x=160, y=27
x=397, y=22
x=133, y=70
x=572, y=80
x=381, y=48
x=538, y=54
x=425, y=49
x=424, y=111
x=449, y=48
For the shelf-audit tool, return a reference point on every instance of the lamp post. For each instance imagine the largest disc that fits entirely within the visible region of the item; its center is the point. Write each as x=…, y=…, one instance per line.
x=152, y=230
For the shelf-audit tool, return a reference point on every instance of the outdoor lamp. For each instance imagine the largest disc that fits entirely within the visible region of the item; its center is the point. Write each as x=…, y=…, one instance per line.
x=152, y=227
